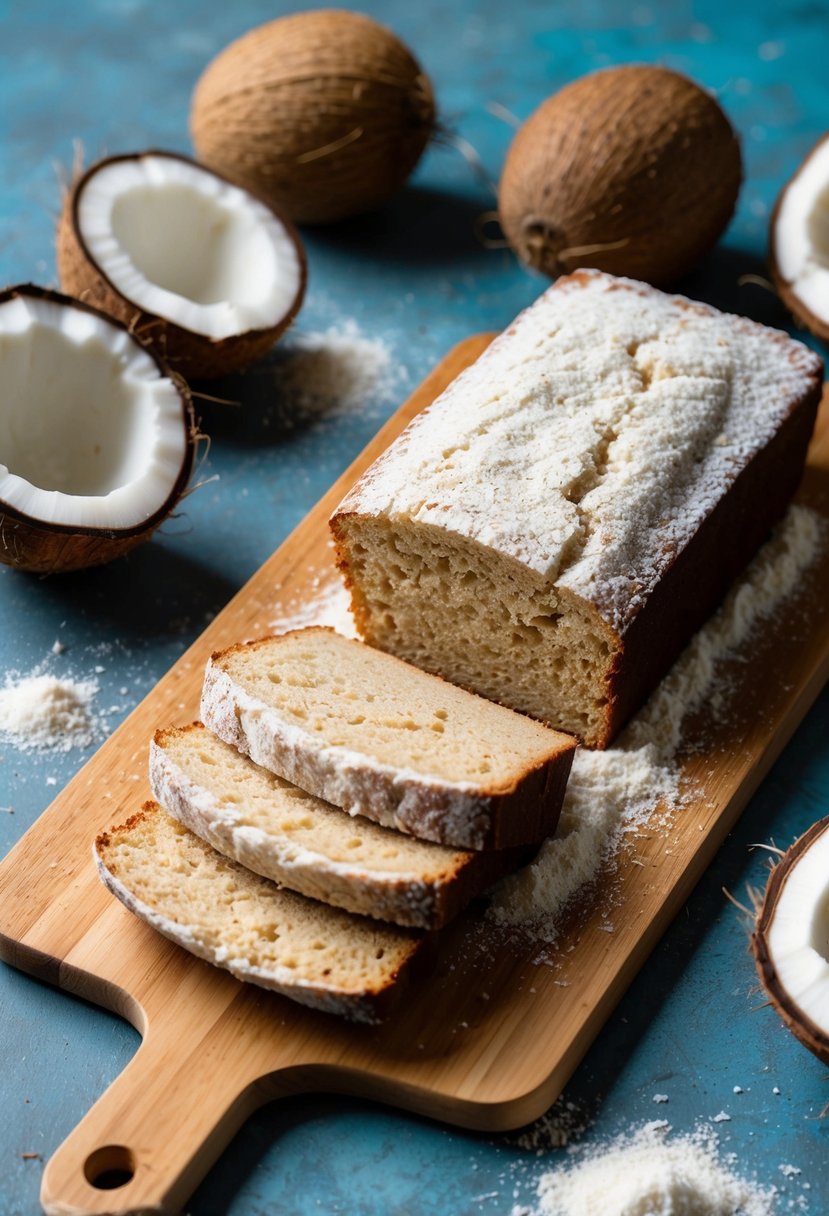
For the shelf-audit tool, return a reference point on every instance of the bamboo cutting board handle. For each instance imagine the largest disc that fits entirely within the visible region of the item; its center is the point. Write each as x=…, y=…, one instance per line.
x=153, y=1135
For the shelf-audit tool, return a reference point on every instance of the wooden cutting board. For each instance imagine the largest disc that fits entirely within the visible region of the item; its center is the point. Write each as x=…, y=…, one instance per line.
x=487, y=1041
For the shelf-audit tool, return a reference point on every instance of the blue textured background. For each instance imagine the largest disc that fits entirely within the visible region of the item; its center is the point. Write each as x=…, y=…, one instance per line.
x=116, y=75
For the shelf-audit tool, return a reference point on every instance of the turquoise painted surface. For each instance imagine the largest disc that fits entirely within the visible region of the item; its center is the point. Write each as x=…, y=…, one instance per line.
x=116, y=75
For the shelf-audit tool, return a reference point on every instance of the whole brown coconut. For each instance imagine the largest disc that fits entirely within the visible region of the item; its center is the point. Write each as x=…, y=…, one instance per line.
x=631, y=170
x=324, y=114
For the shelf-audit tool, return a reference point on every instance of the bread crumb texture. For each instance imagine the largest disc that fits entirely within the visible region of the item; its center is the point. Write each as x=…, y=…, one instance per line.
x=612, y=795
x=247, y=796
x=278, y=830
x=382, y=739
x=222, y=912
x=352, y=696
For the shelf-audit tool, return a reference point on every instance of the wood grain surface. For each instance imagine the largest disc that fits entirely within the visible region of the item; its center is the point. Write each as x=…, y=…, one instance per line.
x=487, y=1041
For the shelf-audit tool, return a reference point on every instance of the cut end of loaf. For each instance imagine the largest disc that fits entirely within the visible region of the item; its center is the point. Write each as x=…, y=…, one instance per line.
x=219, y=911
x=538, y=649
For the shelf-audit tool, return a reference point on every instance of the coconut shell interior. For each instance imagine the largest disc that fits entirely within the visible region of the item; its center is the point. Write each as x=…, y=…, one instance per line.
x=804, y=316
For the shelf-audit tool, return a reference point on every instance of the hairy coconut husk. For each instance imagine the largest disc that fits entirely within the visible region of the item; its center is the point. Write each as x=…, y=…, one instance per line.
x=805, y=317
x=801, y=1026
x=631, y=170
x=192, y=355
x=29, y=545
x=324, y=114
x=51, y=548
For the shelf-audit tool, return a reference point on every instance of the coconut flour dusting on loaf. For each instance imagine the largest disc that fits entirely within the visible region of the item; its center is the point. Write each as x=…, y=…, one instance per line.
x=612, y=794
x=618, y=416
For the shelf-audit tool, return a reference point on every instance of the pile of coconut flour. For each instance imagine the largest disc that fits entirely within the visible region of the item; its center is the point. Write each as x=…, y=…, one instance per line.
x=335, y=371
x=613, y=793
x=650, y=1173
x=40, y=712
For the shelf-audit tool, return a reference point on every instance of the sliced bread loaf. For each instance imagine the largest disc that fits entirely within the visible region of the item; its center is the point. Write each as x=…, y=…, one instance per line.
x=298, y=841
x=382, y=739
x=553, y=529
x=216, y=909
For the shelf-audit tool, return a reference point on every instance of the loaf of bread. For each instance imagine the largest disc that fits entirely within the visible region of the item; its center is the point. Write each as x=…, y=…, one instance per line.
x=552, y=530
x=298, y=841
x=379, y=738
x=216, y=909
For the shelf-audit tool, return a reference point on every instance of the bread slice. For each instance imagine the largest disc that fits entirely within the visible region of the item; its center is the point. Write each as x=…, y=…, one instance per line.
x=298, y=841
x=218, y=910
x=552, y=530
x=379, y=738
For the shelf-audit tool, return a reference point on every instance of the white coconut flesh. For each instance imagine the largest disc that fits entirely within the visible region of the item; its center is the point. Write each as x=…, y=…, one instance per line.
x=92, y=434
x=797, y=940
x=801, y=236
x=183, y=244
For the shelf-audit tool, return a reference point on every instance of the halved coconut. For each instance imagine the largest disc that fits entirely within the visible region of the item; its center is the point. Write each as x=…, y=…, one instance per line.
x=791, y=939
x=96, y=438
x=198, y=268
x=799, y=241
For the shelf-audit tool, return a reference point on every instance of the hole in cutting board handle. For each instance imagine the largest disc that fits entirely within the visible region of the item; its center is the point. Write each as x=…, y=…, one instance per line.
x=109, y=1167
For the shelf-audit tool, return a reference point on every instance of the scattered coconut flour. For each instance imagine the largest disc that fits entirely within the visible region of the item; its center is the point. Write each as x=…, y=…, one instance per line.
x=329, y=605
x=650, y=1173
x=614, y=793
x=336, y=371
x=40, y=712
